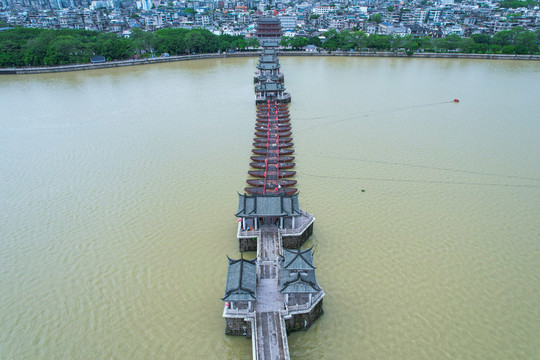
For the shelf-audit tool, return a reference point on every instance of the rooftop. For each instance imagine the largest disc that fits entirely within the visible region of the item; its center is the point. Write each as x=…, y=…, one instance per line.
x=297, y=259
x=241, y=280
x=275, y=205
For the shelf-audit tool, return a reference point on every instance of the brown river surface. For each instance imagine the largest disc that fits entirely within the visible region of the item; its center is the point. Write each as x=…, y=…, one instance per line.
x=118, y=193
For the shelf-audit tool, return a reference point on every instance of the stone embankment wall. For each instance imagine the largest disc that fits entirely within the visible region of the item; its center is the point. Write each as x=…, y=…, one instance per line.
x=289, y=241
x=157, y=60
x=111, y=64
x=294, y=242
x=415, y=55
x=237, y=326
x=247, y=244
x=302, y=322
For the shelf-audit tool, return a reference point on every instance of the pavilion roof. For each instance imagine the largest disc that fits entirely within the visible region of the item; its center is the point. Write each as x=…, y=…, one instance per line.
x=269, y=52
x=297, y=259
x=241, y=280
x=274, y=78
x=269, y=42
x=270, y=86
x=271, y=205
x=268, y=58
x=269, y=20
x=299, y=282
x=268, y=66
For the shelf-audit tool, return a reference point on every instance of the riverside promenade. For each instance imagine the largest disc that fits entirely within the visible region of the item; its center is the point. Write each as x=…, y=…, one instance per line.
x=158, y=60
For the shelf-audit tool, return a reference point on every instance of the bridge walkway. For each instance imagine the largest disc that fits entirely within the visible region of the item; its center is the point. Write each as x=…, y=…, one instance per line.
x=270, y=338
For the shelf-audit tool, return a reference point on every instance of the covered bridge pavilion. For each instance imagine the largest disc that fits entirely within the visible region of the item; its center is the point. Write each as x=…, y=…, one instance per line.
x=254, y=210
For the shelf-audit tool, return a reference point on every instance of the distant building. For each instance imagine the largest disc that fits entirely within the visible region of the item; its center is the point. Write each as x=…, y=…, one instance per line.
x=268, y=28
x=101, y=5
x=288, y=22
x=321, y=10
x=144, y=5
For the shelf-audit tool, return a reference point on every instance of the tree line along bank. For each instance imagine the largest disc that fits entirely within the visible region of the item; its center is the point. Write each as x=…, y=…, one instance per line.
x=44, y=47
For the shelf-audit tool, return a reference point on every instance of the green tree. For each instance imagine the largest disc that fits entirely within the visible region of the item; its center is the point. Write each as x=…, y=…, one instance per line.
x=376, y=18
x=253, y=43
x=35, y=50
x=503, y=38
x=425, y=43
x=114, y=47
x=378, y=42
x=141, y=40
x=332, y=40
x=481, y=38
x=471, y=46
x=526, y=43
x=64, y=49
x=10, y=53
x=451, y=42
x=347, y=41
x=508, y=49
x=314, y=40
x=170, y=41
x=514, y=4
x=224, y=46
x=360, y=39
x=299, y=43
x=194, y=41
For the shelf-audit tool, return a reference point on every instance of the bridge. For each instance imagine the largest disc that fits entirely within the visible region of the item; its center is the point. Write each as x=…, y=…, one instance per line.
x=277, y=292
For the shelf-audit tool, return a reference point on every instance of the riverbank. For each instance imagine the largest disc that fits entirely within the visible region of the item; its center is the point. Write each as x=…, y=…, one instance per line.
x=112, y=64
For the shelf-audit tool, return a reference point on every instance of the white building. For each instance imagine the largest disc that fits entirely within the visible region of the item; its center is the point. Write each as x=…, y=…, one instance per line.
x=434, y=16
x=287, y=22
x=144, y=5
x=101, y=4
x=419, y=15
x=321, y=10
x=454, y=29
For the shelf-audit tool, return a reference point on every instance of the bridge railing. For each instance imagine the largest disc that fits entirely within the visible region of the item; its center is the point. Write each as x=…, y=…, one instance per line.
x=307, y=305
x=301, y=224
x=232, y=312
x=247, y=234
x=284, y=96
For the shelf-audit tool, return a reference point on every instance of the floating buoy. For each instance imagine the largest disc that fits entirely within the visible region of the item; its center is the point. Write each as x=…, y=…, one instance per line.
x=456, y=100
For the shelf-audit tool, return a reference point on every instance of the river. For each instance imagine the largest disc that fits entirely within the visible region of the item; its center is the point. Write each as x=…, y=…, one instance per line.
x=118, y=194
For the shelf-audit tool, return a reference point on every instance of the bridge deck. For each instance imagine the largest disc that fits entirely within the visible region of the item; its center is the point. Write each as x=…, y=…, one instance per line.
x=270, y=338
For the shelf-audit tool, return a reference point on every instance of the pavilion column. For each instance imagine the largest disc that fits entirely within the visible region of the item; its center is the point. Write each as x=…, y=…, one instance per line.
x=243, y=223
x=286, y=298
x=310, y=298
x=256, y=223
x=293, y=217
x=250, y=306
x=281, y=222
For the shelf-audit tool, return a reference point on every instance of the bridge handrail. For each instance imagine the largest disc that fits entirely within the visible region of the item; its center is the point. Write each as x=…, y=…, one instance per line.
x=241, y=234
x=299, y=230
x=229, y=312
x=306, y=306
